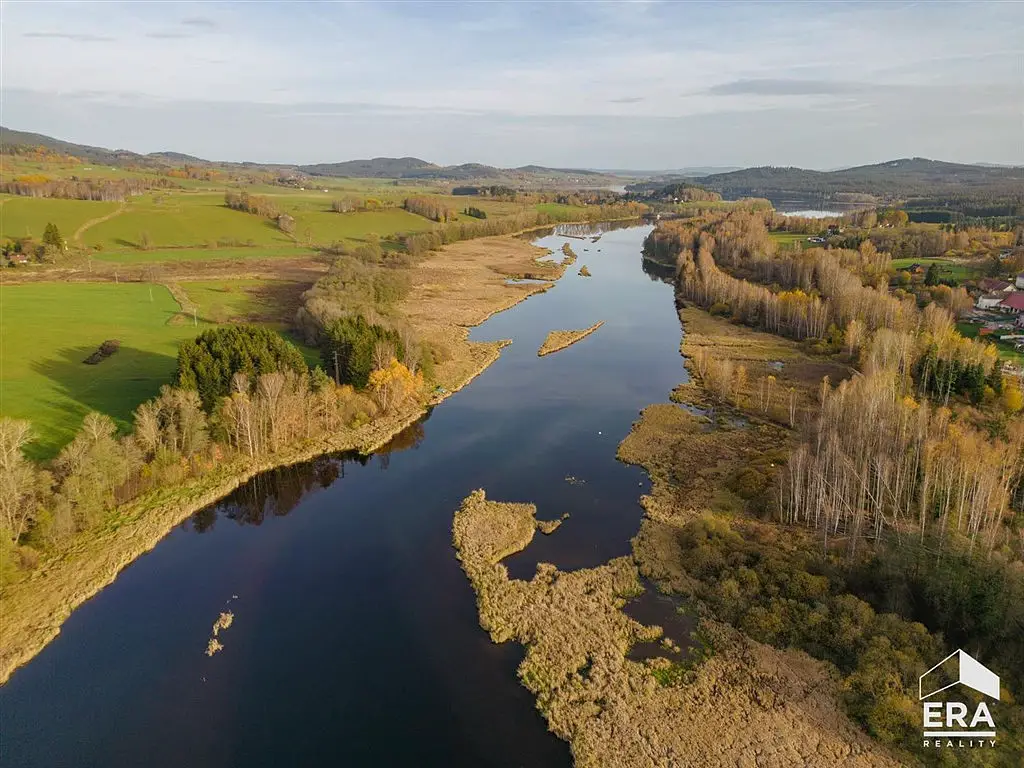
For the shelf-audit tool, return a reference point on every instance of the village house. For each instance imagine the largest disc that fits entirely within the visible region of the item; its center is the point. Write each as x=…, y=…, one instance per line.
x=994, y=285
x=1020, y=281
x=990, y=300
x=1013, y=303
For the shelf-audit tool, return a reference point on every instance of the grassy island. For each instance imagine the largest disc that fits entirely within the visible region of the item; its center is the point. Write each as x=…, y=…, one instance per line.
x=558, y=340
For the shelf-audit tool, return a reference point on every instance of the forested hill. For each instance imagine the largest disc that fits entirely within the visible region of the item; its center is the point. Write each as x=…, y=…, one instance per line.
x=374, y=168
x=890, y=180
x=414, y=168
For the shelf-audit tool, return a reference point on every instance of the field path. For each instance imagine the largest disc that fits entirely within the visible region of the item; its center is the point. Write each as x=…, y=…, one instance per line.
x=98, y=220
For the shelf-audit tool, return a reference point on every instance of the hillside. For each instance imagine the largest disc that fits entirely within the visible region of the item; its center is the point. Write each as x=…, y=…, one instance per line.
x=375, y=168
x=916, y=183
x=411, y=168
x=896, y=179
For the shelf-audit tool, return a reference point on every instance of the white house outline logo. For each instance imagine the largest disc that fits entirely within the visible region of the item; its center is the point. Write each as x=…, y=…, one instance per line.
x=976, y=676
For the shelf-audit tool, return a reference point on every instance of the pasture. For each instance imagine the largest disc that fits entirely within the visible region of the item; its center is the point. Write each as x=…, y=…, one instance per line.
x=49, y=329
x=786, y=241
x=28, y=216
x=183, y=220
x=948, y=268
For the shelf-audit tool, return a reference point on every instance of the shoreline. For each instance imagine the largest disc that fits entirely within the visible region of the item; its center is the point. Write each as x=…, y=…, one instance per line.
x=33, y=610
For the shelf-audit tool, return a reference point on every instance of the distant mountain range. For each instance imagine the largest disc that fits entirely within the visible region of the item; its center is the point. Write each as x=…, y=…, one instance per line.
x=895, y=179
x=901, y=179
x=375, y=168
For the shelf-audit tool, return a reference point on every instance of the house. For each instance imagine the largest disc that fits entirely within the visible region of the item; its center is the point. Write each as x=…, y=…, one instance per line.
x=993, y=285
x=1013, y=303
x=990, y=300
x=1019, y=282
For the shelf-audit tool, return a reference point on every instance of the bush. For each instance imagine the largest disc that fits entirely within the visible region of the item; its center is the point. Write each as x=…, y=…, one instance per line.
x=208, y=362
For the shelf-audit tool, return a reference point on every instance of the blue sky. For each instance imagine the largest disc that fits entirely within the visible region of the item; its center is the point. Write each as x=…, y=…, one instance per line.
x=606, y=85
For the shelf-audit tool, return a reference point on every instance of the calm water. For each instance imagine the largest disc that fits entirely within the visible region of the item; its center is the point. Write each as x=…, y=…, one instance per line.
x=355, y=638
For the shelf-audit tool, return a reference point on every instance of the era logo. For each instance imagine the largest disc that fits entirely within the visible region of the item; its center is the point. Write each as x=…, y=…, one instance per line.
x=946, y=720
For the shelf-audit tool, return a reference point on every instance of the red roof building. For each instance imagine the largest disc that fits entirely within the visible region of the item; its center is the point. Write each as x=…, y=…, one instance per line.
x=1013, y=303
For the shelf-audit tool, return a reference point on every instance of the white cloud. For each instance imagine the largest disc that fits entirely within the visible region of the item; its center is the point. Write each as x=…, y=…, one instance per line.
x=807, y=71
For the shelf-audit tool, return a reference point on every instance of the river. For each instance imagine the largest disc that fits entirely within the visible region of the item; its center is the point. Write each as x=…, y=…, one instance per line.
x=355, y=638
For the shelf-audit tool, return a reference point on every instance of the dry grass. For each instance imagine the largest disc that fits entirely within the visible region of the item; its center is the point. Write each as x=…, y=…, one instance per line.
x=747, y=705
x=460, y=287
x=557, y=340
x=584, y=272
x=799, y=376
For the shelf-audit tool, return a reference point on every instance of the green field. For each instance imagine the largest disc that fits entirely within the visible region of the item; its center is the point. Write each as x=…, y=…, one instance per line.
x=28, y=216
x=235, y=301
x=325, y=226
x=183, y=219
x=49, y=329
x=786, y=240
x=956, y=270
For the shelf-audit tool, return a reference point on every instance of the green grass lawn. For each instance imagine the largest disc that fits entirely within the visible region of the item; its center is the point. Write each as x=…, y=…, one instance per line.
x=786, y=240
x=326, y=227
x=28, y=216
x=183, y=219
x=48, y=329
x=947, y=267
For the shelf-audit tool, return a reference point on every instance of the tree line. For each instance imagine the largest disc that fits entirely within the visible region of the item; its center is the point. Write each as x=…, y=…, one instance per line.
x=105, y=190
x=453, y=232
x=429, y=208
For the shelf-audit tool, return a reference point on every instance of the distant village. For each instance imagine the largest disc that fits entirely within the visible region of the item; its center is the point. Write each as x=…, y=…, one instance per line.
x=999, y=310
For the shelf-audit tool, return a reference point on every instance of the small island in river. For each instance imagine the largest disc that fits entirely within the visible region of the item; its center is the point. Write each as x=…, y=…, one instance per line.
x=558, y=340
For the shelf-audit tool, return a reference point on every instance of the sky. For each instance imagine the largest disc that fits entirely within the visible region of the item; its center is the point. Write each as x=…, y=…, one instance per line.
x=643, y=85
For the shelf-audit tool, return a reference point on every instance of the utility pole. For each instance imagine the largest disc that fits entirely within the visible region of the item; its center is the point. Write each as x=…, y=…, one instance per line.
x=195, y=320
x=337, y=378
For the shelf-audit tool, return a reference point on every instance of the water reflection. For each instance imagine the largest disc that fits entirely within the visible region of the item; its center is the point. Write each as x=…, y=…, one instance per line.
x=277, y=492
x=658, y=272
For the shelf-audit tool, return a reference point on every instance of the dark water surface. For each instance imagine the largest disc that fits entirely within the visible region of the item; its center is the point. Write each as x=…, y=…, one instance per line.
x=355, y=639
